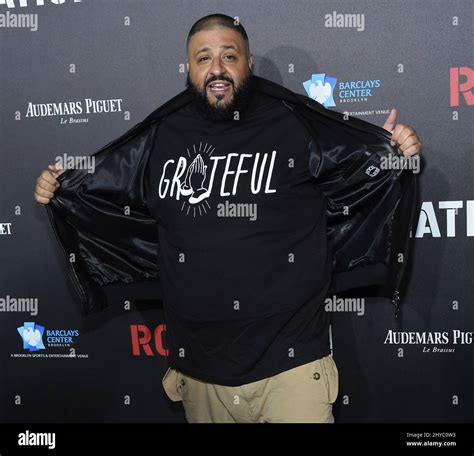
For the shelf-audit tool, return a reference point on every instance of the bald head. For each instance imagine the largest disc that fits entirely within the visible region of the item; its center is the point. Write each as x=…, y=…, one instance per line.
x=214, y=21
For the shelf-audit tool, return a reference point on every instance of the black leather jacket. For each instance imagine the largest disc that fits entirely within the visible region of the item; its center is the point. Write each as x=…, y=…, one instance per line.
x=102, y=222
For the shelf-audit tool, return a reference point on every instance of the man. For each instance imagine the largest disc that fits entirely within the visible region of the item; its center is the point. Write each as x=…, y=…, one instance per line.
x=255, y=202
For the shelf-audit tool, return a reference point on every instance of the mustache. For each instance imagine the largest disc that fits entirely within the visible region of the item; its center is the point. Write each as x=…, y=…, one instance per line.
x=219, y=78
x=242, y=95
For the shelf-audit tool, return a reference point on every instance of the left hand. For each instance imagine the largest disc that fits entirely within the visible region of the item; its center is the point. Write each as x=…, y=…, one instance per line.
x=402, y=135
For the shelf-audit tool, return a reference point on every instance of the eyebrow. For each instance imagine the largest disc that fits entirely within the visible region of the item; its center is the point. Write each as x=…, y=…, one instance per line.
x=225, y=46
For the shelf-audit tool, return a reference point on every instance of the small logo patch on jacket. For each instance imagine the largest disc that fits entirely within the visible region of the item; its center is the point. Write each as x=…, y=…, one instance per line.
x=372, y=171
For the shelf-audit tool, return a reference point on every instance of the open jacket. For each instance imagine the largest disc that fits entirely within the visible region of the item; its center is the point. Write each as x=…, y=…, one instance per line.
x=103, y=224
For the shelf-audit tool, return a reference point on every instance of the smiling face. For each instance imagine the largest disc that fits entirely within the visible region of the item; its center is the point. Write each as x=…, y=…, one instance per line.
x=218, y=66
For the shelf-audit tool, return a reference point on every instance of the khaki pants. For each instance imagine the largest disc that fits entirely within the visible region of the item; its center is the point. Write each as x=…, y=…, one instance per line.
x=304, y=394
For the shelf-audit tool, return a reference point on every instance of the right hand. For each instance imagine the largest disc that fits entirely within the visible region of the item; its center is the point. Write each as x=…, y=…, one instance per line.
x=46, y=184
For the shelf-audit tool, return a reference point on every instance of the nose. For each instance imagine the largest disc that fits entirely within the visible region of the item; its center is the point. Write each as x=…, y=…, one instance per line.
x=216, y=68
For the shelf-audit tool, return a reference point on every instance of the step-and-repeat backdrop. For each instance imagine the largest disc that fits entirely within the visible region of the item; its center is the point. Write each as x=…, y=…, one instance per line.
x=106, y=64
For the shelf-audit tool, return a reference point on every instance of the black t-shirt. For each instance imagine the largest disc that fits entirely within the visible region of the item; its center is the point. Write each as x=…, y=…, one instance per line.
x=243, y=256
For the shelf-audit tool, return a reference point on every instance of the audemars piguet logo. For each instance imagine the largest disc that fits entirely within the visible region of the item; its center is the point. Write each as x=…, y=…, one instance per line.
x=431, y=340
x=70, y=108
x=193, y=177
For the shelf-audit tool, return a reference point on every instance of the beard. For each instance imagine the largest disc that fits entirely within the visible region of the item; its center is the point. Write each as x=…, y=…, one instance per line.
x=242, y=96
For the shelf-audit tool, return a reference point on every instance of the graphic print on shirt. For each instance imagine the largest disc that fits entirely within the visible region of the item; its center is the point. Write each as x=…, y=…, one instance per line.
x=193, y=177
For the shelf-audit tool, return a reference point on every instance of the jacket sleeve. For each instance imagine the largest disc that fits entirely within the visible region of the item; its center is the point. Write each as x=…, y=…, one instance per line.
x=370, y=205
x=102, y=221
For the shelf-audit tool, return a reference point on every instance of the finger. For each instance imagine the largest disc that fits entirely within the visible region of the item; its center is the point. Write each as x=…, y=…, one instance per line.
x=398, y=131
x=405, y=135
x=44, y=193
x=412, y=150
x=56, y=170
x=48, y=182
x=409, y=141
x=391, y=120
x=41, y=200
x=47, y=176
x=42, y=184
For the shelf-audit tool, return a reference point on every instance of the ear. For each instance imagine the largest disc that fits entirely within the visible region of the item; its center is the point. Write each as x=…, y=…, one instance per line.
x=250, y=61
x=187, y=66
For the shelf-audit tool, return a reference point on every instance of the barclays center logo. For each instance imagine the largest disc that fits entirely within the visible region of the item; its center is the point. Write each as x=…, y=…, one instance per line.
x=323, y=88
x=39, y=342
x=32, y=336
